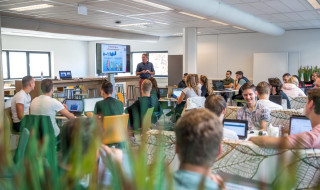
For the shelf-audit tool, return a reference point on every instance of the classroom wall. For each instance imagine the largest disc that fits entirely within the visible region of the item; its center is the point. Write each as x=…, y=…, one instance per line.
x=65, y=54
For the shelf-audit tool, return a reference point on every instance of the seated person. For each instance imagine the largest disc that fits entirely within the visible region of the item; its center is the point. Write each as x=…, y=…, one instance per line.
x=256, y=114
x=191, y=90
x=285, y=77
x=291, y=88
x=20, y=102
x=315, y=76
x=309, y=139
x=182, y=84
x=198, y=143
x=240, y=80
x=228, y=82
x=317, y=83
x=217, y=105
x=155, y=91
x=263, y=89
x=109, y=106
x=46, y=105
x=138, y=109
x=276, y=87
x=206, y=89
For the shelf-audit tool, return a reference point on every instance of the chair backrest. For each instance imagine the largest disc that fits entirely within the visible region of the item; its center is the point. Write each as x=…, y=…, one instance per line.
x=120, y=98
x=231, y=112
x=146, y=120
x=115, y=129
x=282, y=117
x=195, y=102
x=22, y=145
x=298, y=102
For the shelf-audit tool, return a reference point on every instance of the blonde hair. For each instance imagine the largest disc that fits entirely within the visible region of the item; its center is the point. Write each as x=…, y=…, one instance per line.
x=205, y=82
x=293, y=80
x=146, y=86
x=191, y=82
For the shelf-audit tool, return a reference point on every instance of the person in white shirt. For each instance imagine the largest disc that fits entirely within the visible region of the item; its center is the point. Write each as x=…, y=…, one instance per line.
x=46, y=105
x=217, y=105
x=20, y=102
x=263, y=89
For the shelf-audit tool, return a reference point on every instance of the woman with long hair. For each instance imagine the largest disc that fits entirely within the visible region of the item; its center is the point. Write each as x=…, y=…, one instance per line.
x=206, y=89
x=155, y=89
x=191, y=90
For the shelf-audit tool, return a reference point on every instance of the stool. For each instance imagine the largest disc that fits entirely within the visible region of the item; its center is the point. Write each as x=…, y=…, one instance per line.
x=80, y=96
x=119, y=88
x=137, y=92
x=130, y=93
x=92, y=92
x=68, y=93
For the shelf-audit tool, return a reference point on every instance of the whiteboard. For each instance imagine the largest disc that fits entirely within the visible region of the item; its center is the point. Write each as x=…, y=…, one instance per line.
x=269, y=65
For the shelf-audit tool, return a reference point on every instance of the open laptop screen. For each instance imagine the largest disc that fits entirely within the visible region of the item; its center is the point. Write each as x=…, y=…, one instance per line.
x=299, y=124
x=238, y=126
x=74, y=106
x=89, y=104
x=163, y=92
x=176, y=92
x=65, y=74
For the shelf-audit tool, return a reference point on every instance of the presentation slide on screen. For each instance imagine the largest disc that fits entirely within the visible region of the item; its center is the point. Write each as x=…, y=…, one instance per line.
x=114, y=58
x=239, y=128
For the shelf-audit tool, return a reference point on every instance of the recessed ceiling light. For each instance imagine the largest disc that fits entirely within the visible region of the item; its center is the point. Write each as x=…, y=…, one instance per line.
x=192, y=15
x=314, y=3
x=32, y=7
x=136, y=24
x=237, y=27
x=154, y=5
x=218, y=22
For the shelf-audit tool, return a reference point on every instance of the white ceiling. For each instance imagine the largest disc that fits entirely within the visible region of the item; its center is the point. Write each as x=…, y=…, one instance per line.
x=102, y=14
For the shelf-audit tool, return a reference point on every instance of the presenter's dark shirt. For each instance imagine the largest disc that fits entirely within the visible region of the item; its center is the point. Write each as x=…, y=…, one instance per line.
x=142, y=66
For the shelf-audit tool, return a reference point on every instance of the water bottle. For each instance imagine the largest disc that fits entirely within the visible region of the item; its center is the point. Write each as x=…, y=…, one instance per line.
x=41, y=75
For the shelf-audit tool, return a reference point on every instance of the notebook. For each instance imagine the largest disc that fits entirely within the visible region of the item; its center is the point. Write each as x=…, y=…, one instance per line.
x=176, y=92
x=89, y=104
x=299, y=124
x=65, y=75
x=238, y=126
x=163, y=92
x=75, y=106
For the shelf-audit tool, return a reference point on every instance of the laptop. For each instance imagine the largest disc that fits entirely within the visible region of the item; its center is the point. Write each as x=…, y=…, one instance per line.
x=163, y=92
x=238, y=126
x=65, y=75
x=299, y=124
x=176, y=92
x=75, y=106
x=217, y=85
x=276, y=99
x=89, y=104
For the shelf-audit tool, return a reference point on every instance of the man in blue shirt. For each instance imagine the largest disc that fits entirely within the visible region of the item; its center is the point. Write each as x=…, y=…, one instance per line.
x=144, y=69
x=198, y=143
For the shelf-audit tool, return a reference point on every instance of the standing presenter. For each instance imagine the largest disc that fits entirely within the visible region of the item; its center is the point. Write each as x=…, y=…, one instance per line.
x=144, y=70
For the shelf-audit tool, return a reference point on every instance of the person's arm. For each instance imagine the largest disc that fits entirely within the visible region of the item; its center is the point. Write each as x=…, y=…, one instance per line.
x=264, y=125
x=229, y=85
x=20, y=110
x=152, y=73
x=66, y=113
x=180, y=98
x=141, y=72
x=271, y=142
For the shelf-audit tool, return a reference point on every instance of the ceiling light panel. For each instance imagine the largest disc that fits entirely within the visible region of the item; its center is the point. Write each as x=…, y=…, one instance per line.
x=154, y=5
x=237, y=27
x=192, y=15
x=31, y=7
x=314, y=3
x=218, y=22
x=135, y=24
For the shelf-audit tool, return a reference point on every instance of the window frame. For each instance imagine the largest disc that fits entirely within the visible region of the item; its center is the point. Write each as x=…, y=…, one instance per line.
x=133, y=70
x=27, y=62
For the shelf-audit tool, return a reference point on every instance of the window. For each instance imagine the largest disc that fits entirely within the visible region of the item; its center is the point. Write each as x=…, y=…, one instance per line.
x=158, y=59
x=17, y=64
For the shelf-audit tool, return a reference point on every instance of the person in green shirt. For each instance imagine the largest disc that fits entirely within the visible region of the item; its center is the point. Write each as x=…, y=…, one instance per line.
x=109, y=106
x=228, y=82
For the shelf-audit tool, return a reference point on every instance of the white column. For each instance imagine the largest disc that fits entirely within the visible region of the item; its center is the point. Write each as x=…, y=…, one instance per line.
x=1, y=84
x=190, y=50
